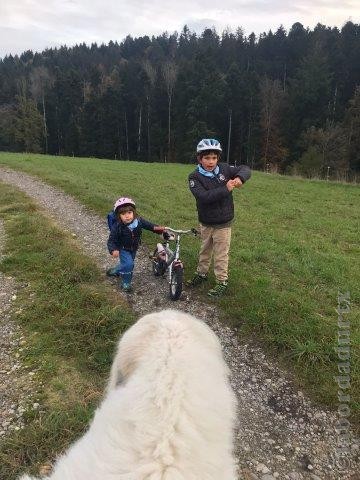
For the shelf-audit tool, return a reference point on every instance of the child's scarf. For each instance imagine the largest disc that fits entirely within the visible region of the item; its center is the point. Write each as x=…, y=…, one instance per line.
x=133, y=224
x=204, y=172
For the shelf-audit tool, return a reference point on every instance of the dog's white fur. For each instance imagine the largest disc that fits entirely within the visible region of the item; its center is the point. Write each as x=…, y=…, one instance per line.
x=169, y=410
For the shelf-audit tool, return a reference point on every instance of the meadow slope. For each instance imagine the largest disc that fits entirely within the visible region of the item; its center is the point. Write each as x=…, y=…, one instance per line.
x=294, y=248
x=277, y=409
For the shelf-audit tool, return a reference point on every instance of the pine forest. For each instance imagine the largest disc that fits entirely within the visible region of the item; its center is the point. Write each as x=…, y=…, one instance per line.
x=286, y=102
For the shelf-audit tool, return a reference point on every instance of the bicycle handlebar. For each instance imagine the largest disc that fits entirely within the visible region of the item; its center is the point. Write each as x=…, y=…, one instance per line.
x=192, y=231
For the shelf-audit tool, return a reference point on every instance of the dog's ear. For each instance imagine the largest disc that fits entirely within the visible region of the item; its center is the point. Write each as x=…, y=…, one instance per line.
x=123, y=366
x=131, y=349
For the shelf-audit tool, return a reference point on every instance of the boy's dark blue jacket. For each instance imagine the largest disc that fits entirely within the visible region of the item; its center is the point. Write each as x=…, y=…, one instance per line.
x=123, y=238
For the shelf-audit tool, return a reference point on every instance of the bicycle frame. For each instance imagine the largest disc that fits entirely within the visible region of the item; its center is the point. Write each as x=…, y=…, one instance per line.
x=172, y=261
x=173, y=256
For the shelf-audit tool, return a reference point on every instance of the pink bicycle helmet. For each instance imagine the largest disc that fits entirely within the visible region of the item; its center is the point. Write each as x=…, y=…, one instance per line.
x=123, y=202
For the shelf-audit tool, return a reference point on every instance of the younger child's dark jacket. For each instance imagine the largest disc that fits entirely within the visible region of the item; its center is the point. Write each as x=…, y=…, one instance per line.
x=124, y=238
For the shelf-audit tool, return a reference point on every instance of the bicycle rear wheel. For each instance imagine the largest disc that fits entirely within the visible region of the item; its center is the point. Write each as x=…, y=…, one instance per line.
x=176, y=282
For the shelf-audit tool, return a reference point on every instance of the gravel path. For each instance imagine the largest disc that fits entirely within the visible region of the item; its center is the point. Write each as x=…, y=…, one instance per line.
x=17, y=383
x=280, y=432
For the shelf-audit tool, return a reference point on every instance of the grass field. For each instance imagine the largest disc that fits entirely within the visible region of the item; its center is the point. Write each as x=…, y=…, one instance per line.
x=294, y=248
x=71, y=319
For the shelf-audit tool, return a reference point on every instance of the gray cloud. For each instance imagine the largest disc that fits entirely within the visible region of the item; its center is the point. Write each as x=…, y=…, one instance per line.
x=36, y=24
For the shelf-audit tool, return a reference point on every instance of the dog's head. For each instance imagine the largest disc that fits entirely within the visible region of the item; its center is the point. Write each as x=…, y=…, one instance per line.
x=152, y=332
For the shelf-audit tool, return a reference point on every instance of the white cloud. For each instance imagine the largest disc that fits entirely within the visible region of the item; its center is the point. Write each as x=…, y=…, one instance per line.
x=37, y=24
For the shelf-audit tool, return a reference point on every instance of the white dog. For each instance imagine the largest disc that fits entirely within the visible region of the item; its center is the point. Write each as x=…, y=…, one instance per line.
x=169, y=410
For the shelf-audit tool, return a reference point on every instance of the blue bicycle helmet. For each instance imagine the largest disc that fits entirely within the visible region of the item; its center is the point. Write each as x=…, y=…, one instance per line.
x=208, y=144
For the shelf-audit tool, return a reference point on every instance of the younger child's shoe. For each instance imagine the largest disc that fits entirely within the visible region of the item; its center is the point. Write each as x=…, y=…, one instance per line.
x=219, y=289
x=197, y=279
x=126, y=287
x=112, y=272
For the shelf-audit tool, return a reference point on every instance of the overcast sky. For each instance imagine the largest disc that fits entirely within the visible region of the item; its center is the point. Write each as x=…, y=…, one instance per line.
x=38, y=24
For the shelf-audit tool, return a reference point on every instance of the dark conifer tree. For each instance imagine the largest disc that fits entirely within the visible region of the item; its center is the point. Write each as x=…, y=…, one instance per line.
x=113, y=101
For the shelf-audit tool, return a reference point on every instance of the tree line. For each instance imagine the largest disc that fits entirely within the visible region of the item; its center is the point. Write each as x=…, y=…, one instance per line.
x=283, y=101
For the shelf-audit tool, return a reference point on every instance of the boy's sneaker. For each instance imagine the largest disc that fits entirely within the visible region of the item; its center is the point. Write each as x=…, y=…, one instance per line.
x=197, y=279
x=112, y=272
x=219, y=289
x=126, y=287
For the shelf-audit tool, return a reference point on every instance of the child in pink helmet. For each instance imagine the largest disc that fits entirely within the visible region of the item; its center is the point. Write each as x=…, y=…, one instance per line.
x=125, y=237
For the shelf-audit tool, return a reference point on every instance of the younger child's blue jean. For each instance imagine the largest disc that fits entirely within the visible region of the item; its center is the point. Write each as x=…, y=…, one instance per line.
x=126, y=265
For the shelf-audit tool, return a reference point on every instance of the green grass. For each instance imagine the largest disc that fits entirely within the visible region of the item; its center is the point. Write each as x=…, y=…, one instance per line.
x=71, y=319
x=294, y=247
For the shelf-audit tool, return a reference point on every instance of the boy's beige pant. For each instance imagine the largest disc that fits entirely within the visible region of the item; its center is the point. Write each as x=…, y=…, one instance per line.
x=217, y=241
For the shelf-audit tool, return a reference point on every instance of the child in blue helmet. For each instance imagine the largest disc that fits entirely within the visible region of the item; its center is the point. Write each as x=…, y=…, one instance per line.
x=125, y=237
x=212, y=184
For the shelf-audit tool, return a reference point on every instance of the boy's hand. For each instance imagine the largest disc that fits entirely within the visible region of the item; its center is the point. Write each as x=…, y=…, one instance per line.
x=115, y=253
x=234, y=183
x=237, y=181
x=230, y=185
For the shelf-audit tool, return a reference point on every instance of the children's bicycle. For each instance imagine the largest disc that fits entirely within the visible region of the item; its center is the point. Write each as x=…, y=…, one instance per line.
x=165, y=259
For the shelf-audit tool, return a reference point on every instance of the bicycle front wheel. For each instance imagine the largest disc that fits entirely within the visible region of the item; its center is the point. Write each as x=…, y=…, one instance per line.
x=176, y=282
